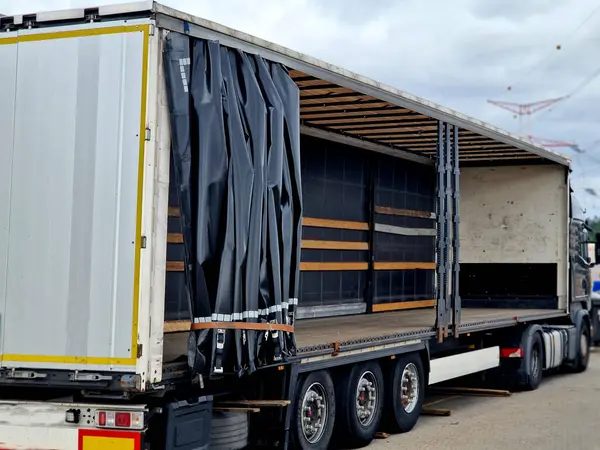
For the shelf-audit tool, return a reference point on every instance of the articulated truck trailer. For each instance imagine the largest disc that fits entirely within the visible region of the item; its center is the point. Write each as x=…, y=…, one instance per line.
x=211, y=241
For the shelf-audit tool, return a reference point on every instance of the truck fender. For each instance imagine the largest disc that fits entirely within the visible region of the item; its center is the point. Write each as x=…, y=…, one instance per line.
x=578, y=317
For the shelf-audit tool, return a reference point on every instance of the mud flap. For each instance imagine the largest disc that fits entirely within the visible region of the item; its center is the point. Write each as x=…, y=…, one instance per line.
x=188, y=424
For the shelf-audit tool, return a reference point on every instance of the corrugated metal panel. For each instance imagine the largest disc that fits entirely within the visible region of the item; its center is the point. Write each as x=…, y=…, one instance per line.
x=74, y=220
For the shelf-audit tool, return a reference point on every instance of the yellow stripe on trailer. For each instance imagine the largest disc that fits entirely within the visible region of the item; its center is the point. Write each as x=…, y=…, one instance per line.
x=109, y=440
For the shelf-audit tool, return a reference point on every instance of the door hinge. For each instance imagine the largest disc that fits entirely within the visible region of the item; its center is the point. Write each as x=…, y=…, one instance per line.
x=148, y=134
x=152, y=29
x=140, y=350
x=143, y=242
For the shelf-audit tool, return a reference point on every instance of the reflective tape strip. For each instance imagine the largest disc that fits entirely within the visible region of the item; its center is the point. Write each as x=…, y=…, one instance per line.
x=404, y=231
x=255, y=314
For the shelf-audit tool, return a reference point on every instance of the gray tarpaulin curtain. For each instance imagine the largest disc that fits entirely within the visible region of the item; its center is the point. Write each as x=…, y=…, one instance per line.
x=235, y=125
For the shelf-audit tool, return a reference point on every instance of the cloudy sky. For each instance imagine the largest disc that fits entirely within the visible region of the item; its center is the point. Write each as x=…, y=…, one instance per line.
x=458, y=53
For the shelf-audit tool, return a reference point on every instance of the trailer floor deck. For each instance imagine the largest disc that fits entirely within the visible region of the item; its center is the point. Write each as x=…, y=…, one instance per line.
x=319, y=334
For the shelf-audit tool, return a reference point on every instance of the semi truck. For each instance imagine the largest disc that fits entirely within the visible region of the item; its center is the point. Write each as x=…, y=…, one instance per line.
x=208, y=240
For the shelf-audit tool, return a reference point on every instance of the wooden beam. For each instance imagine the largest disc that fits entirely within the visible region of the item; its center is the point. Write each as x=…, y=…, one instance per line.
x=345, y=120
x=341, y=114
x=334, y=245
x=177, y=326
x=175, y=266
x=479, y=392
x=404, y=212
x=359, y=127
x=436, y=412
x=399, y=306
x=174, y=238
x=339, y=224
x=343, y=106
x=404, y=266
x=332, y=266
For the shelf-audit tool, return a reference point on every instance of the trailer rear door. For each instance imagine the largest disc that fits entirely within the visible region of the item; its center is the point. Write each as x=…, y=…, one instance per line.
x=72, y=120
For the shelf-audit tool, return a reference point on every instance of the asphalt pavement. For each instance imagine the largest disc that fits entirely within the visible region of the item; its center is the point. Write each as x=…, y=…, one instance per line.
x=563, y=414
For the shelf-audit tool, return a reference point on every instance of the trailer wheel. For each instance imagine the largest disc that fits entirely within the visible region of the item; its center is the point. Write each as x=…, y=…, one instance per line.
x=534, y=363
x=314, y=417
x=583, y=355
x=229, y=431
x=405, y=391
x=359, y=404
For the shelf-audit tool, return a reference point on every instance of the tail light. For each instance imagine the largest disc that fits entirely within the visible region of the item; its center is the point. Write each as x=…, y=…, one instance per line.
x=123, y=420
x=511, y=353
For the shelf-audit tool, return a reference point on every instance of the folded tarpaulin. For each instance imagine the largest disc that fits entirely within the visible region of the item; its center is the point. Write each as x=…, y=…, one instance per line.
x=235, y=125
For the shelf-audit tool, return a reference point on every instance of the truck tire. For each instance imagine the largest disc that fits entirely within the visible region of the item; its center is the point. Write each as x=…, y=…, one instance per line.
x=533, y=364
x=229, y=431
x=583, y=355
x=359, y=397
x=405, y=391
x=314, y=415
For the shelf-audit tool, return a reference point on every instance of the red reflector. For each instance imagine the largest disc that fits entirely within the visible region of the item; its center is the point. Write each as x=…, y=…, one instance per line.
x=102, y=419
x=511, y=353
x=123, y=420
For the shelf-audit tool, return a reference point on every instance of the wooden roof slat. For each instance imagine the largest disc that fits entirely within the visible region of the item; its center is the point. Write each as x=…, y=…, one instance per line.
x=340, y=101
x=374, y=132
x=356, y=119
x=351, y=113
x=351, y=106
x=329, y=96
x=332, y=113
x=361, y=127
x=326, y=92
x=515, y=152
x=525, y=156
x=319, y=86
x=426, y=139
x=464, y=147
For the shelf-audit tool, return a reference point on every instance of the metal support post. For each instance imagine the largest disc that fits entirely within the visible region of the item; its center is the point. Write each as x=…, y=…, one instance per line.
x=456, y=302
x=370, y=290
x=440, y=272
x=447, y=220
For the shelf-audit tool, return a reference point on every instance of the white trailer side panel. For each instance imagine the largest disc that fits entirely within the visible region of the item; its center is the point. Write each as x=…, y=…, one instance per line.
x=70, y=250
x=8, y=74
x=515, y=214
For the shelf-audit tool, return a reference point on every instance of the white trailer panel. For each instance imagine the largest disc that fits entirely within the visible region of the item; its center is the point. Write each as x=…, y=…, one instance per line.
x=70, y=246
x=8, y=64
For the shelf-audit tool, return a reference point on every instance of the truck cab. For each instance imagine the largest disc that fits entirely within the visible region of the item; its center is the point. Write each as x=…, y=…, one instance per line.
x=580, y=258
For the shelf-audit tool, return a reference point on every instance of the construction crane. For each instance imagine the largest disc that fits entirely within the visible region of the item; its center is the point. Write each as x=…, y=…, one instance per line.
x=551, y=143
x=525, y=109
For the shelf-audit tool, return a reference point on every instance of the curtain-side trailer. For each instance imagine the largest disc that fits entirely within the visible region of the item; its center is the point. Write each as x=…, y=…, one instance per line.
x=209, y=240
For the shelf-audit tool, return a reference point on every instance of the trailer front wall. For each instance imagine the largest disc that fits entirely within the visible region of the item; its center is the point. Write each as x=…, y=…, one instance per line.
x=516, y=215
x=72, y=115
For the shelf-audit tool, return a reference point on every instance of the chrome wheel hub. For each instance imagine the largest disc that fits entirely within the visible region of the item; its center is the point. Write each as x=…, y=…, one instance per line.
x=366, y=398
x=314, y=413
x=409, y=388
